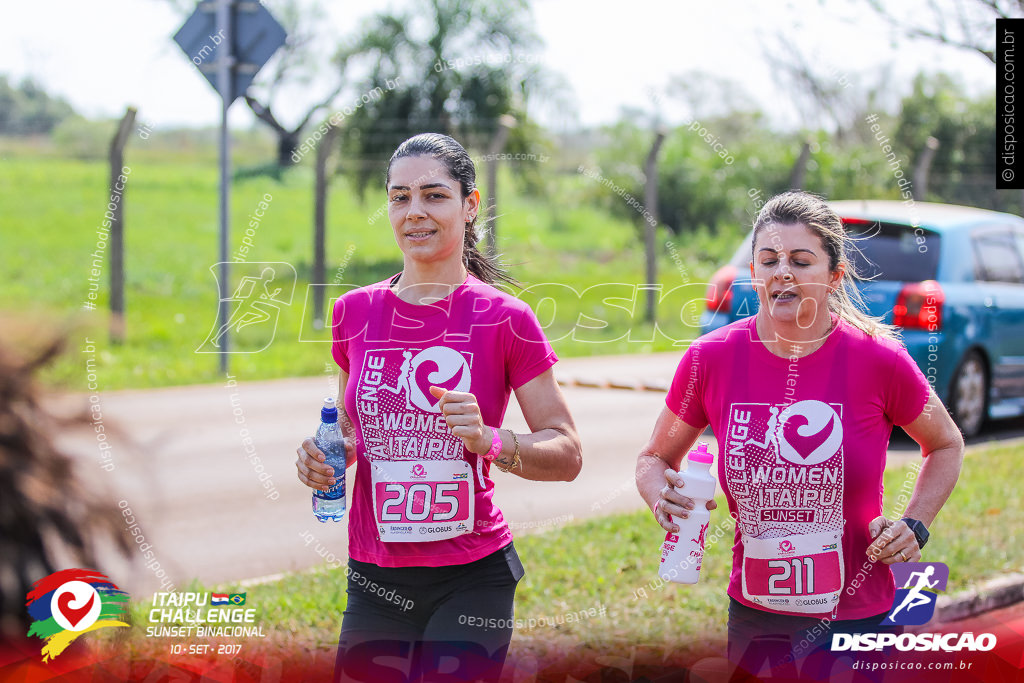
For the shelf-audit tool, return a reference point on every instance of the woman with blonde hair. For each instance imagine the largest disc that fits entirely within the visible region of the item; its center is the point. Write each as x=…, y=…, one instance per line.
x=802, y=398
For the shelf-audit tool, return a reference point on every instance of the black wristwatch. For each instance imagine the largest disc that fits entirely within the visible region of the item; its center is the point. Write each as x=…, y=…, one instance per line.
x=919, y=529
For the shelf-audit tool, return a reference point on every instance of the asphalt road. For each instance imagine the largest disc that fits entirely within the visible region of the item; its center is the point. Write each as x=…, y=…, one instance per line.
x=182, y=465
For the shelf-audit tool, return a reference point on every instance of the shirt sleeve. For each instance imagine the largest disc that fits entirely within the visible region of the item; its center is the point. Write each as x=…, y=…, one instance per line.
x=529, y=352
x=686, y=394
x=908, y=389
x=339, y=345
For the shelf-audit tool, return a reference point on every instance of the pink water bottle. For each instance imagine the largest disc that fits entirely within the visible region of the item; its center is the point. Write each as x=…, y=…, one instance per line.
x=682, y=552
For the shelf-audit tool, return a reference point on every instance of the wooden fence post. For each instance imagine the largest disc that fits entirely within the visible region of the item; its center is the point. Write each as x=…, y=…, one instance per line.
x=505, y=123
x=651, y=225
x=323, y=155
x=117, y=327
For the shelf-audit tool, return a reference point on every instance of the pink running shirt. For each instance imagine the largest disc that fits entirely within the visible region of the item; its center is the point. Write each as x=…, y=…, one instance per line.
x=478, y=339
x=805, y=472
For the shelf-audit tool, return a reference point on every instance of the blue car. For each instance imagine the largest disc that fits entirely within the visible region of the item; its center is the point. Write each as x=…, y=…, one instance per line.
x=950, y=277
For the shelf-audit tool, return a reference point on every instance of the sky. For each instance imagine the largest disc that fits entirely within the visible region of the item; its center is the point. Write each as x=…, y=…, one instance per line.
x=104, y=55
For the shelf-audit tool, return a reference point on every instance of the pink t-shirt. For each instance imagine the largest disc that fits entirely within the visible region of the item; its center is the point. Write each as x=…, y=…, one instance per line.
x=805, y=471
x=478, y=339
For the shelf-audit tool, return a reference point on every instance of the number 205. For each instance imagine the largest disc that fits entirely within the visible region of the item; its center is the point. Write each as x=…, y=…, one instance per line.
x=411, y=497
x=800, y=569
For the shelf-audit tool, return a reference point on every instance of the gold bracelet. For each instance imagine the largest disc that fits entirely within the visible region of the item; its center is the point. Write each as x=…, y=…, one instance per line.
x=516, y=462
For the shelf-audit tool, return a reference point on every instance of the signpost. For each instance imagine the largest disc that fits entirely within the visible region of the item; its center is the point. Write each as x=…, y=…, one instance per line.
x=229, y=40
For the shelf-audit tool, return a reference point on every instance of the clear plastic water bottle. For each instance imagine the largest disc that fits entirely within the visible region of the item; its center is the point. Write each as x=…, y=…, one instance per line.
x=330, y=504
x=683, y=552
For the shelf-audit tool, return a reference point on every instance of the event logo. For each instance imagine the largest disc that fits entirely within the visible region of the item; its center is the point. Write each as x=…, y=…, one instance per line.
x=418, y=471
x=439, y=366
x=70, y=602
x=914, y=603
x=810, y=432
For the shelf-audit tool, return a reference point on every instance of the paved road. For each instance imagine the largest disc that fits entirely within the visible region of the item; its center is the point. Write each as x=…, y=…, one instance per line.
x=184, y=468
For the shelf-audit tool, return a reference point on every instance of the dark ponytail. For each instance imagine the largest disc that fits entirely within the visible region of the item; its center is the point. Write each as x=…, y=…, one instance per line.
x=459, y=165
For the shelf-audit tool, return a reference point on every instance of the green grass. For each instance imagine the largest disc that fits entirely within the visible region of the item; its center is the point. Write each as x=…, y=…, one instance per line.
x=53, y=207
x=611, y=562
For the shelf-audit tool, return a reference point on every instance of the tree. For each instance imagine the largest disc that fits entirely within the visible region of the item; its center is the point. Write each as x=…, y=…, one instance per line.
x=29, y=110
x=295, y=65
x=963, y=167
x=966, y=25
x=474, y=65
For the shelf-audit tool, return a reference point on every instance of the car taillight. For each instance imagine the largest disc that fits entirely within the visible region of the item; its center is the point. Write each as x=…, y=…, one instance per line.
x=919, y=306
x=719, y=296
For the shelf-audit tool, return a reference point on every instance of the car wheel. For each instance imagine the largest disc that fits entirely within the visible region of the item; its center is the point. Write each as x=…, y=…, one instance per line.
x=969, y=394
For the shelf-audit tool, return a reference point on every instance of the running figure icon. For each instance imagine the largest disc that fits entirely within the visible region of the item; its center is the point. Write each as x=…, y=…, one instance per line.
x=251, y=303
x=402, y=383
x=255, y=304
x=916, y=597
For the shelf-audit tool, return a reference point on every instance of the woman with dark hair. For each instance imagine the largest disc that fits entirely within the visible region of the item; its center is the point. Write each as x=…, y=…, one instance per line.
x=49, y=518
x=802, y=398
x=428, y=360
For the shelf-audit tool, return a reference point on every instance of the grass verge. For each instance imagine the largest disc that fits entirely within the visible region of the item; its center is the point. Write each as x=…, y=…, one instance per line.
x=602, y=572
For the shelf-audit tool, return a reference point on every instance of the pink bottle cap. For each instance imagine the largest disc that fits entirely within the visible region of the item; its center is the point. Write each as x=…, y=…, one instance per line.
x=700, y=454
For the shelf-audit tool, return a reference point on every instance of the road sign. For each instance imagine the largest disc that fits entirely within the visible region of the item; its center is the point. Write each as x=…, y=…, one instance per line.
x=256, y=36
x=229, y=40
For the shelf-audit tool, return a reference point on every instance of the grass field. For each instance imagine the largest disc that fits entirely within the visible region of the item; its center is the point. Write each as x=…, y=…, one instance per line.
x=603, y=572
x=579, y=266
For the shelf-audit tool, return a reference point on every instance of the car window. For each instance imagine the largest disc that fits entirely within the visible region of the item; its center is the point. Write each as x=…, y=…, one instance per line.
x=996, y=258
x=890, y=251
x=882, y=251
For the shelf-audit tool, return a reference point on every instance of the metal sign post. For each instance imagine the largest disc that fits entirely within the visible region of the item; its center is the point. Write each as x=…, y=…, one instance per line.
x=229, y=40
x=225, y=63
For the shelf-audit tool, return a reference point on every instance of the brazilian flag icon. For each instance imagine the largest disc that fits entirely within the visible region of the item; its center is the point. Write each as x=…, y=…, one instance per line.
x=237, y=598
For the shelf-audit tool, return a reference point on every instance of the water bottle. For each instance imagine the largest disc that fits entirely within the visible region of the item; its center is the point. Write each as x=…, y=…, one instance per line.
x=330, y=504
x=682, y=552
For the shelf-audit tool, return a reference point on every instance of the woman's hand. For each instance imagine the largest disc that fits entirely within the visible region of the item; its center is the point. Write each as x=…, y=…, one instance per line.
x=462, y=413
x=311, y=468
x=893, y=541
x=672, y=502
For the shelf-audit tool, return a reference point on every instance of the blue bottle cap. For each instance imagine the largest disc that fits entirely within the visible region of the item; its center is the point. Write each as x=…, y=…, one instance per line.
x=329, y=413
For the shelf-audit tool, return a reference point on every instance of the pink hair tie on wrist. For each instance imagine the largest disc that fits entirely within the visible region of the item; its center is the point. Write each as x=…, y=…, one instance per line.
x=495, y=445
x=656, y=504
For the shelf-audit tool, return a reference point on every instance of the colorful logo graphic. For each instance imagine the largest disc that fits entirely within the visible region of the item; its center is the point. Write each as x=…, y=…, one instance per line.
x=227, y=598
x=786, y=546
x=914, y=603
x=68, y=603
x=418, y=471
